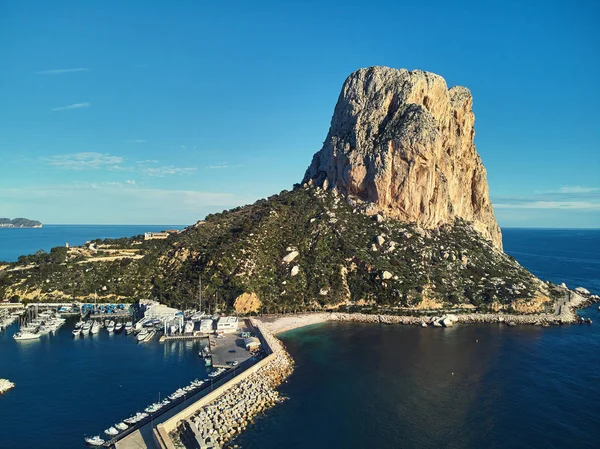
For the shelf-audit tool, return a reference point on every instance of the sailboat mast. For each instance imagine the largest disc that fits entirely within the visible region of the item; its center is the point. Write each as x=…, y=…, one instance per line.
x=200, y=290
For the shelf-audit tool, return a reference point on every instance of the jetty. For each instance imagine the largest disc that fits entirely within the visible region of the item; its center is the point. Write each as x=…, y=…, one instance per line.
x=164, y=338
x=6, y=385
x=249, y=386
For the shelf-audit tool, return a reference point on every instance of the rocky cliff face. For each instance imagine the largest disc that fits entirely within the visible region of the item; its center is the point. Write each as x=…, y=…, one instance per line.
x=403, y=142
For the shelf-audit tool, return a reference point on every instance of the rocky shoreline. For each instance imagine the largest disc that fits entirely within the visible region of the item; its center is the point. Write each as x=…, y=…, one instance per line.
x=566, y=314
x=216, y=424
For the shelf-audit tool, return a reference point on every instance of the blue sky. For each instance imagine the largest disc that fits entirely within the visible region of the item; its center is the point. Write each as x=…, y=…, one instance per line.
x=162, y=112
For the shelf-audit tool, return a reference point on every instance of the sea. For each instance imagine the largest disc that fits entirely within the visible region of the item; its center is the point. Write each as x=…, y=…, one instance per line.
x=354, y=385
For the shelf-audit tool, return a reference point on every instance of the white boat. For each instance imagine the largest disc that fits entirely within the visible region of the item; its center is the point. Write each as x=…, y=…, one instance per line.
x=76, y=332
x=86, y=328
x=111, y=326
x=118, y=327
x=135, y=418
x=111, y=431
x=189, y=327
x=129, y=327
x=95, y=327
x=142, y=335
x=26, y=336
x=121, y=426
x=94, y=441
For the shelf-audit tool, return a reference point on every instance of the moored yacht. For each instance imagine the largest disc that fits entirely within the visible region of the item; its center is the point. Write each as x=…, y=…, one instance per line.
x=121, y=426
x=94, y=441
x=142, y=335
x=86, y=328
x=21, y=335
x=118, y=327
x=95, y=327
x=129, y=327
x=76, y=332
x=111, y=326
x=111, y=431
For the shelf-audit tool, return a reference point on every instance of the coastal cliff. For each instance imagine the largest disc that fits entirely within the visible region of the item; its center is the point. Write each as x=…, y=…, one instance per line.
x=403, y=142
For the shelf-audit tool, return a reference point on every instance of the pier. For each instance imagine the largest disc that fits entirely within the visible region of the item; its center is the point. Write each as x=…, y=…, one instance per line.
x=229, y=348
x=182, y=337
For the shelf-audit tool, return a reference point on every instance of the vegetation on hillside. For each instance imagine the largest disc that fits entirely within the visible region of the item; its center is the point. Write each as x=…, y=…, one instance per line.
x=344, y=257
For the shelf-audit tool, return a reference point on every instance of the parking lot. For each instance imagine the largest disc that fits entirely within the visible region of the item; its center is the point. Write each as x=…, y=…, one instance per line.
x=222, y=348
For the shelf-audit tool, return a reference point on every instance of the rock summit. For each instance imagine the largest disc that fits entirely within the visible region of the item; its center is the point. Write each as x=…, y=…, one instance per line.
x=402, y=143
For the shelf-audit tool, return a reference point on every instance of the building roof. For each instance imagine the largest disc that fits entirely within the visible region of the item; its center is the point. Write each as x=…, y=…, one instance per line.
x=228, y=320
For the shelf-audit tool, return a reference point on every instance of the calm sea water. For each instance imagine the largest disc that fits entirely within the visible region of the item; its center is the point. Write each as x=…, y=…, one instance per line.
x=19, y=241
x=354, y=386
x=368, y=386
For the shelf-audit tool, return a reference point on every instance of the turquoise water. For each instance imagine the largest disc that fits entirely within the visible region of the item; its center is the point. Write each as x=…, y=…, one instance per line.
x=354, y=386
x=19, y=241
x=471, y=386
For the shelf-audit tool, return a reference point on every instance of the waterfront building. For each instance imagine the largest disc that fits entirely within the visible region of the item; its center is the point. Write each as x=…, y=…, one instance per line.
x=160, y=312
x=155, y=235
x=227, y=325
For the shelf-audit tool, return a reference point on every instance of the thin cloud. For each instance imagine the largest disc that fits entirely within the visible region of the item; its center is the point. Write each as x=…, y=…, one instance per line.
x=62, y=71
x=577, y=189
x=563, y=205
x=161, y=172
x=72, y=106
x=213, y=167
x=84, y=161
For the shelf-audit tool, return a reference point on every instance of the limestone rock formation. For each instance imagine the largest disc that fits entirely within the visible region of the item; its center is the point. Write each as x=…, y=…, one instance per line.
x=403, y=142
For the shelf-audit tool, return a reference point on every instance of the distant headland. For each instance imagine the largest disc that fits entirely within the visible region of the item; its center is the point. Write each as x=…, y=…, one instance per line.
x=19, y=223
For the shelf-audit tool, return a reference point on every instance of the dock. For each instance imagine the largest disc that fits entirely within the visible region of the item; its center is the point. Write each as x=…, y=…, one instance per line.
x=182, y=337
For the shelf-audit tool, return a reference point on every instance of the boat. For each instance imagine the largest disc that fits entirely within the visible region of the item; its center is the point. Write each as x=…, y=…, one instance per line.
x=6, y=385
x=76, y=332
x=94, y=441
x=86, y=328
x=111, y=326
x=111, y=431
x=118, y=328
x=189, y=327
x=129, y=327
x=135, y=418
x=142, y=335
x=26, y=335
x=121, y=426
x=95, y=327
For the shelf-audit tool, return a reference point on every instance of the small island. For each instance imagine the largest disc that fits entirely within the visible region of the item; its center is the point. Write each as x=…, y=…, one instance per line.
x=19, y=223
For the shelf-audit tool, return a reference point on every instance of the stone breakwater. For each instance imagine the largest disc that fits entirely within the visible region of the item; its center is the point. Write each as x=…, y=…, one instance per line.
x=217, y=423
x=566, y=314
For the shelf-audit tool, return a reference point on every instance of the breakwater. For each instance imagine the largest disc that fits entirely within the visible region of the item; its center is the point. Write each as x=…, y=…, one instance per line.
x=216, y=419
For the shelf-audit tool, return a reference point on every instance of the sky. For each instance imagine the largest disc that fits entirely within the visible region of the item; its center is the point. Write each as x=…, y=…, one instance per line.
x=136, y=112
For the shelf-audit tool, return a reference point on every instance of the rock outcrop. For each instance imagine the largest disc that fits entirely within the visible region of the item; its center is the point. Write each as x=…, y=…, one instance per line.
x=403, y=142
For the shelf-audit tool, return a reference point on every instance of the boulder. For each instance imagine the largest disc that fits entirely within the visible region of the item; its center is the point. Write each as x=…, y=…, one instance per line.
x=291, y=256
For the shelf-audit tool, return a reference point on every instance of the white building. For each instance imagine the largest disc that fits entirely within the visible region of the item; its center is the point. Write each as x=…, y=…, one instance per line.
x=227, y=325
x=160, y=311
